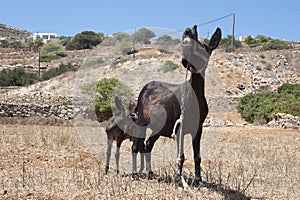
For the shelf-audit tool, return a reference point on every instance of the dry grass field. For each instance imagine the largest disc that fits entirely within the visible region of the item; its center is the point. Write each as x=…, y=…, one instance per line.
x=50, y=162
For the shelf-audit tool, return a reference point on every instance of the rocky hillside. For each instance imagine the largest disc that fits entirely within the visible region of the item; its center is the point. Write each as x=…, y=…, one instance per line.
x=12, y=34
x=228, y=77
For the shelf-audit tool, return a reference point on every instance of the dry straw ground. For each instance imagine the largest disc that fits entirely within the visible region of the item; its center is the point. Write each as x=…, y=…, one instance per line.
x=48, y=162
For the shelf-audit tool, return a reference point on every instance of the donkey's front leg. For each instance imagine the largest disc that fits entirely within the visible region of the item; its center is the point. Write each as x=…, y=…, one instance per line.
x=138, y=146
x=142, y=165
x=197, y=157
x=149, y=146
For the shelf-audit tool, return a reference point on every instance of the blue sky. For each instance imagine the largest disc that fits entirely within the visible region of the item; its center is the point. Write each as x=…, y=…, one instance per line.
x=274, y=18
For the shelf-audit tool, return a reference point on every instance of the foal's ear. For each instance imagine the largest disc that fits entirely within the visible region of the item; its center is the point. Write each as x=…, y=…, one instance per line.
x=119, y=104
x=215, y=39
x=195, y=33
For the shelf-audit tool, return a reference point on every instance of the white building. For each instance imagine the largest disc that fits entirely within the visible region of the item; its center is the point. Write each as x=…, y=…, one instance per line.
x=45, y=36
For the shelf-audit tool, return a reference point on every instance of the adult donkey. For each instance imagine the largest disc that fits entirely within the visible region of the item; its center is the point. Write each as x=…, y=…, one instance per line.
x=160, y=105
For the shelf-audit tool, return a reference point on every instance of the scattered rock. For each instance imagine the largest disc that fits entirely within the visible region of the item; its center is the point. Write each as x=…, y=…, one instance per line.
x=286, y=121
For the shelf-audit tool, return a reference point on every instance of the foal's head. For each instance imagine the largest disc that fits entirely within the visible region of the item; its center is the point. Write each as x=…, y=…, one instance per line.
x=122, y=118
x=196, y=54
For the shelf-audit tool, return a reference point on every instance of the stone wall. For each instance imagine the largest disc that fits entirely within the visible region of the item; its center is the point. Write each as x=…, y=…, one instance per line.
x=57, y=111
x=286, y=121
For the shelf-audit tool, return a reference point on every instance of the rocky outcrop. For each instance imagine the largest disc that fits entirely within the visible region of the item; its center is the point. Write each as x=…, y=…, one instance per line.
x=286, y=121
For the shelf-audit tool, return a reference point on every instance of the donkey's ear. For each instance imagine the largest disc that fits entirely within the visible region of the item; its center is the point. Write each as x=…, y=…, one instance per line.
x=195, y=33
x=215, y=39
x=119, y=104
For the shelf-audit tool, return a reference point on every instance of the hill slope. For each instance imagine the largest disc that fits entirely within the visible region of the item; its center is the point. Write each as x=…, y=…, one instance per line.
x=11, y=34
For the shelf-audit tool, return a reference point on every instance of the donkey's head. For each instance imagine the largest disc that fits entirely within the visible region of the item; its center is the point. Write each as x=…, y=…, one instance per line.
x=196, y=54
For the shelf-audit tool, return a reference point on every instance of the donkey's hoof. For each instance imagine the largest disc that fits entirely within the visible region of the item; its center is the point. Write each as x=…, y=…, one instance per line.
x=198, y=182
x=178, y=181
x=106, y=170
x=135, y=176
x=117, y=171
x=150, y=175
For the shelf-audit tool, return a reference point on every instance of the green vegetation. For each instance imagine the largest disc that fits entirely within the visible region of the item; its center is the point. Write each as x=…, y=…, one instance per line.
x=17, y=77
x=57, y=71
x=126, y=41
x=261, y=107
x=106, y=89
x=143, y=35
x=84, y=40
x=168, y=40
x=267, y=43
x=169, y=66
x=226, y=43
x=116, y=38
x=29, y=44
x=51, y=51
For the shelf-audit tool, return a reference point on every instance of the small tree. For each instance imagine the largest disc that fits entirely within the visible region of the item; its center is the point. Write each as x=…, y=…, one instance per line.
x=51, y=51
x=167, y=40
x=126, y=45
x=226, y=43
x=4, y=44
x=87, y=40
x=143, y=35
x=37, y=43
x=106, y=89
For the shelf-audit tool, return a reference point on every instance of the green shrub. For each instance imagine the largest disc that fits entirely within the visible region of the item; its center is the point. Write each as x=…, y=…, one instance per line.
x=106, y=89
x=167, y=40
x=86, y=40
x=50, y=52
x=126, y=45
x=4, y=44
x=57, y=71
x=143, y=36
x=17, y=77
x=261, y=107
x=169, y=66
x=267, y=43
x=226, y=43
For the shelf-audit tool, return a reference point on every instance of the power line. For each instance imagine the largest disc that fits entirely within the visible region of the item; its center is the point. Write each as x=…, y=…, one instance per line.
x=205, y=23
x=214, y=20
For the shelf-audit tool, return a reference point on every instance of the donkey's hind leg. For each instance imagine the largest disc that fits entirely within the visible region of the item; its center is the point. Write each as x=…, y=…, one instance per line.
x=180, y=156
x=149, y=146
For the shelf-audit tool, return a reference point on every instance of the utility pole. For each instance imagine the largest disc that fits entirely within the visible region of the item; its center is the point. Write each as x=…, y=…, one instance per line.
x=39, y=66
x=233, y=24
x=133, y=45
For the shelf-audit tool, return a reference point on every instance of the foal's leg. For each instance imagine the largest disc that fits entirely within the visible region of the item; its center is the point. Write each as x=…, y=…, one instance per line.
x=108, y=154
x=197, y=157
x=117, y=155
